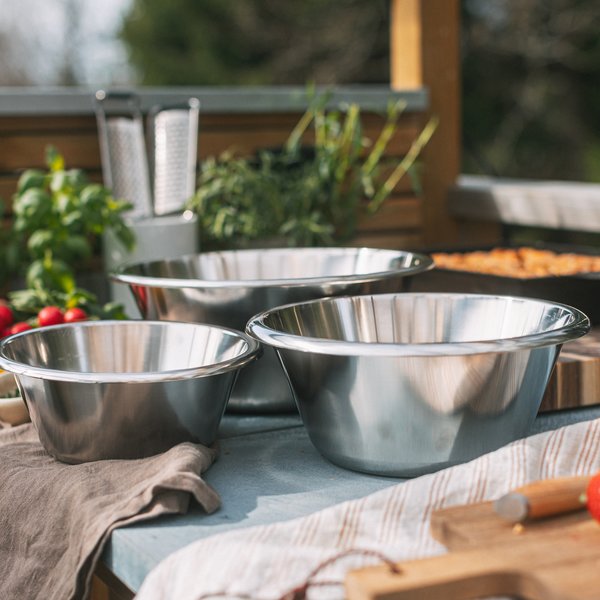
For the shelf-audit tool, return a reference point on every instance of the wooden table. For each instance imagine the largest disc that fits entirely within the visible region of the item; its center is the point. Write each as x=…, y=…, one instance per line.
x=268, y=471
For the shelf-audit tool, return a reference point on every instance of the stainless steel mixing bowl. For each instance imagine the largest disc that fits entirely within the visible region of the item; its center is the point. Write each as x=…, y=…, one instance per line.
x=227, y=288
x=404, y=384
x=125, y=389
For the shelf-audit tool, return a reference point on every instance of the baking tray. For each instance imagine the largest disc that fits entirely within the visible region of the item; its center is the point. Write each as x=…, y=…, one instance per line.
x=581, y=291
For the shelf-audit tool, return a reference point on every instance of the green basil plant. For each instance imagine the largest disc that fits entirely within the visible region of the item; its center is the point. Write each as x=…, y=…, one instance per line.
x=58, y=218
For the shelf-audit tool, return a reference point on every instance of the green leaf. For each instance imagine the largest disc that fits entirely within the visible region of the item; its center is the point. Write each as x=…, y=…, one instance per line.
x=73, y=218
x=77, y=247
x=54, y=160
x=112, y=310
x=76, y=178
x=64, y=202
x=33, y=206
x=93, y=195
x=125, y=235
x=32, y=178
x=51, y=274
x=58, y=181
x=40, y=241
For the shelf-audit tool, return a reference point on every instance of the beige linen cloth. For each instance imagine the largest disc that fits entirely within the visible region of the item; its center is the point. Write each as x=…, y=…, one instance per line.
x=55, y=518
x=268, y=561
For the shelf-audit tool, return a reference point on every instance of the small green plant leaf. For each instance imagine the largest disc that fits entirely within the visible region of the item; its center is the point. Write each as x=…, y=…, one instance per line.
x=54, y=159
x=39, y=242
x=31, y=178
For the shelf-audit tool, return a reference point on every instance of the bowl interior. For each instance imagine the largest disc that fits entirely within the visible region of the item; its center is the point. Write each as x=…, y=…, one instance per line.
x=124, y=347
x=419, y=318
x=279, y=264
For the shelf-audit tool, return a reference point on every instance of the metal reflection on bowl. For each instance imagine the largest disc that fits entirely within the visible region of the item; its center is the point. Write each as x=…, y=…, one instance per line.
x=125, y=389
x=403, y=384
x=227, y=288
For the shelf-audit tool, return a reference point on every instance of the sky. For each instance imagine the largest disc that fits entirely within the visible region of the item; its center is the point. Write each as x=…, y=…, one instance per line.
x=37, y=32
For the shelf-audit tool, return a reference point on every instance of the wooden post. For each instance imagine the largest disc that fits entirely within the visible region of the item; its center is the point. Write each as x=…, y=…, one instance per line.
x=424, y=47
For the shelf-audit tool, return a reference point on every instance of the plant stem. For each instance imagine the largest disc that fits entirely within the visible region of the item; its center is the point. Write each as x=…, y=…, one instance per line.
x=404, y=165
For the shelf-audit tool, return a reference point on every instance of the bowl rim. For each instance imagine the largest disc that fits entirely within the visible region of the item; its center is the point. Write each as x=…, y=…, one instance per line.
x=423, y=263
x=578, y=327
x=252, y=351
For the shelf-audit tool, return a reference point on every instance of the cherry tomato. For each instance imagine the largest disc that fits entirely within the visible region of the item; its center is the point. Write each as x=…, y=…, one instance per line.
x=75, y=314
x=18, y=327
x=50, y=315
x=593, y=497
x=6, y=315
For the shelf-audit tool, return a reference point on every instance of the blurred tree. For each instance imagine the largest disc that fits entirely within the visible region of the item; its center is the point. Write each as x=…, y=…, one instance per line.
x=68, y=68
x=215, y=42
x=41, y=47
x=13, y=61
x=530, y=88
x=530, y=67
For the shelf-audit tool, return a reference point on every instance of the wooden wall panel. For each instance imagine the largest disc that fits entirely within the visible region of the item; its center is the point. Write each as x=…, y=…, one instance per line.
x=8, y=186
x=247, y=141
x=397, y=240
x=397, y=213
x=80, y=149
x=22, y=144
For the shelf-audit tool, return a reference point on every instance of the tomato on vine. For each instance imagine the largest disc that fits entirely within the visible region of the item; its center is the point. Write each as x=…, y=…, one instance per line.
x=6, y=316
x=72, y=315
x=50, y=315
x=593, y=497
x=19, y=327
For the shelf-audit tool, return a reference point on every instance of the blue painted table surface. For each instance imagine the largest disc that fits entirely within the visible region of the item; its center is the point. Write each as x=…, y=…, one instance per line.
x=267, y=471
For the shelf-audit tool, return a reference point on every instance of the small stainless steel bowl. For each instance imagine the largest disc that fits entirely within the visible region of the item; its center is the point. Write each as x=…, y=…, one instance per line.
x=227, y=288
x=405, y=384
x=125, y=389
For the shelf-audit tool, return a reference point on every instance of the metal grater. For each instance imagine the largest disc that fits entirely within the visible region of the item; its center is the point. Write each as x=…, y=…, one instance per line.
x=174, y=143
x=123, y=150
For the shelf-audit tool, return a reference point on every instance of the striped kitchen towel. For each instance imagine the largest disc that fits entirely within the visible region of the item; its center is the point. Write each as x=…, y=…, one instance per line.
x=268, y=561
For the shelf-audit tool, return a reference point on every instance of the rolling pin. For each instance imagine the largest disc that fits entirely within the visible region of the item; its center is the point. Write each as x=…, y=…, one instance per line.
x=543, y=499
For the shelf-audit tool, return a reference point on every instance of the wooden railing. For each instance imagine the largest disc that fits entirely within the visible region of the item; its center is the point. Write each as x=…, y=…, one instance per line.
x=425, y=53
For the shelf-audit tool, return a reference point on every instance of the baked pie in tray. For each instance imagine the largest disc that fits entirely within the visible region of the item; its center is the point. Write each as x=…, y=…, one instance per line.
x=565, y=274
x=521, y=262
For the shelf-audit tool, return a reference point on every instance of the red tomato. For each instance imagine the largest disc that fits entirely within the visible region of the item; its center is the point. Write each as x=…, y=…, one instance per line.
x=50, y=315
x=593, y=497
x=75, y=314
x=4, y=332
x=18, y=327
x=6, y=316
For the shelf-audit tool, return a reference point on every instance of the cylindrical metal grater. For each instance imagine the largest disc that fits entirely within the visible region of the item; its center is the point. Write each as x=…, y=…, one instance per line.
x=173, y=147
x=123, y=150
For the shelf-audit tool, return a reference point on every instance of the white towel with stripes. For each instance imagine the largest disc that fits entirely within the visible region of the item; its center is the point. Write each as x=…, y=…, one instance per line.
x=266, y=562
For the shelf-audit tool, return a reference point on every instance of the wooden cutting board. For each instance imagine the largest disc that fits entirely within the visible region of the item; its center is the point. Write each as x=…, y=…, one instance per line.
x=552, y=559
x=576, y=378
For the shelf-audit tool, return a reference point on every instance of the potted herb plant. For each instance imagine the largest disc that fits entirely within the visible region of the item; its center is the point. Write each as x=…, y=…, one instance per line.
x=58, y=218
x=297, y=194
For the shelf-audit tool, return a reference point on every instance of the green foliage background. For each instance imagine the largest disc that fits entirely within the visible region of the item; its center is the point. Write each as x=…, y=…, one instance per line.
x=530, y=67
x=215, y=42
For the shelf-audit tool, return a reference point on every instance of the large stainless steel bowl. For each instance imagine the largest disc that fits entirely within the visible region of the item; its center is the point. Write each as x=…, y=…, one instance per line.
x=125, y=389
x=404, y=384
x=227, y=288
